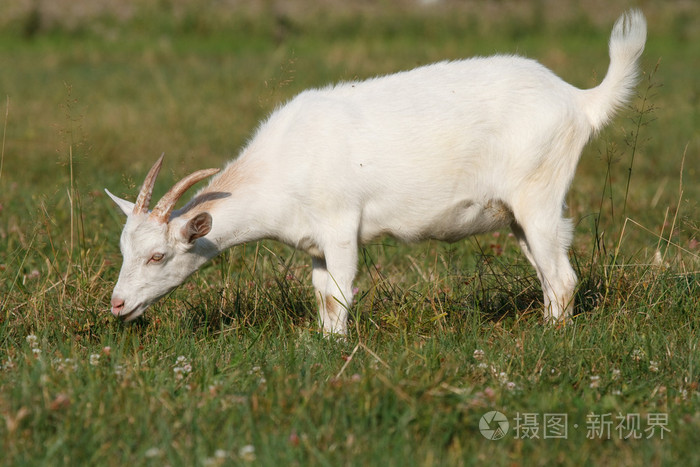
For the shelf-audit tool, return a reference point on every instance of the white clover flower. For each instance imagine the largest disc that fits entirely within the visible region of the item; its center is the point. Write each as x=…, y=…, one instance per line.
x=638, y=355
x=511, y=386
x=615, y=373
x=94, y=359
x=36, y=352
x=64, y=364
x=479, y=354
x=152, y=452
x=182, y=368
x=653, y=366
x=119, y=370
x=33, y=341
x=503, y=377
x=595, y=381
x=247, y=453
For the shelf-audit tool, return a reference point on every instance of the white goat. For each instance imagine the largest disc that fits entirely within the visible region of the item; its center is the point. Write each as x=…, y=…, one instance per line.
x=443, y=151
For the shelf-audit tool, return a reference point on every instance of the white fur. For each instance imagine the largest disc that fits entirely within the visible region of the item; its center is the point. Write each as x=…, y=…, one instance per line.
x=442, y=151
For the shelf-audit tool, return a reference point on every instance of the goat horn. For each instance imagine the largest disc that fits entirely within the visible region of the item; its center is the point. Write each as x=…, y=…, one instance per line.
x=161, y=212
x=144, y=198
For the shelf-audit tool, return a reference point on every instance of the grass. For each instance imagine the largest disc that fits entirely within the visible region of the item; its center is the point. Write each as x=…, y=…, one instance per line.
x=231, y=369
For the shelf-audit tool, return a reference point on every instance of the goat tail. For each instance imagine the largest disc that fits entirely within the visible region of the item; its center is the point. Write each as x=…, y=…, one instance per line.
x=626, y=46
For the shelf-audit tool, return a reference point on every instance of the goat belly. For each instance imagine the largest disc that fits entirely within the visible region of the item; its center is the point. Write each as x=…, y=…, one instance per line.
x=468, y=218
x=451, y=223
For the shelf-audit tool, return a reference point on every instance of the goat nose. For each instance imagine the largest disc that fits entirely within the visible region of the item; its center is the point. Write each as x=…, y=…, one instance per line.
x=117, y=306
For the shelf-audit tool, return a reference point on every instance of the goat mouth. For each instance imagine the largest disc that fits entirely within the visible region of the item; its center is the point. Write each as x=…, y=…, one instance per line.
x=131, y=315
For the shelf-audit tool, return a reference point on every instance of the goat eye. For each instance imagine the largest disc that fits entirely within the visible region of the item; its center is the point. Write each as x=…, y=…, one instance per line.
x=156, y=258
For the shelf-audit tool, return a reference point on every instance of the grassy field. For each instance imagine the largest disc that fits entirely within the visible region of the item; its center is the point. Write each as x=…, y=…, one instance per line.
x=230, y=368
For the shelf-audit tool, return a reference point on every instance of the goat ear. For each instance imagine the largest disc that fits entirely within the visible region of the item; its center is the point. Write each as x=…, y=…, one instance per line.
x=127, y=207
x=197, y=227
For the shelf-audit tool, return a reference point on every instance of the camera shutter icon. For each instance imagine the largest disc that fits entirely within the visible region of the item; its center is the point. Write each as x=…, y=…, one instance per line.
x=494, y=425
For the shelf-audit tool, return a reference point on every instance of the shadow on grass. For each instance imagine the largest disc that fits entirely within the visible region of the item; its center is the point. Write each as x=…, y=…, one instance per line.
x=498, y=289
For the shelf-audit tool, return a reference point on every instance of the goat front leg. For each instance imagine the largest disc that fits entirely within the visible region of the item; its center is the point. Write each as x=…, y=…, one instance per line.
x=332, y=278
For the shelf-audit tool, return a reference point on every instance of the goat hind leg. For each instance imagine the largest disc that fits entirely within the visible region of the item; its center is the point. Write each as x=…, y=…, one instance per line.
x=546, y=245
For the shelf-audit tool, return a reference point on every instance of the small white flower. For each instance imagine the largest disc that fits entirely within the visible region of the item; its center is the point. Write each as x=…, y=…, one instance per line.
x=595, y=381
x=33, y=341
x=119, y=370
x=653, y=366
x=482, y=366
x=638, y=355
x=247, y=453
x=510, y=386
x=94, y=359
x=65, y=364
x=182, y=371
x=219, y=458
x=615, y=373
x=152, y=452
x=36, y=352
x=503, y=377
x=479, y=354
x=182, y=368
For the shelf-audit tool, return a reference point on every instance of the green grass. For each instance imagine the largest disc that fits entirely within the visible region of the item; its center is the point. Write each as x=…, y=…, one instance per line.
x=440, y=335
